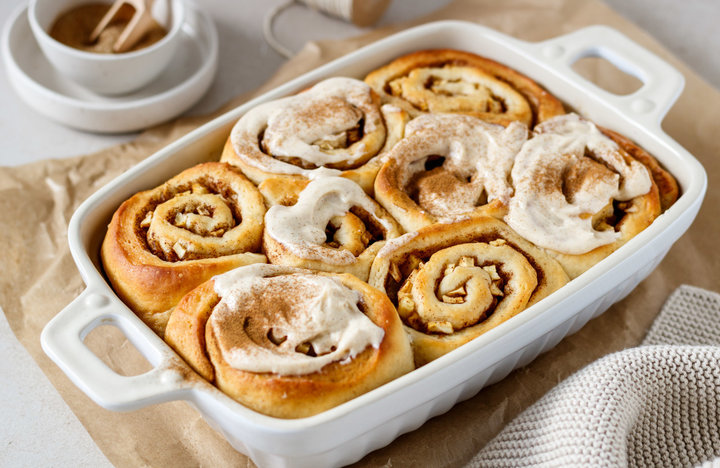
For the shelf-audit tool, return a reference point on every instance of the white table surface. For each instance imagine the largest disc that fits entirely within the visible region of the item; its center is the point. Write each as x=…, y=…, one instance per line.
x=36, y=426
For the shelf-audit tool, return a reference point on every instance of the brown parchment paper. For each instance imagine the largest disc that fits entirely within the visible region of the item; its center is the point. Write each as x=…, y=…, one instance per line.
x=38, y=277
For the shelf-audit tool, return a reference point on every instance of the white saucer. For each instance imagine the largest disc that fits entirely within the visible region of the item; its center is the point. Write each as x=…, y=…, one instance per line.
x=177, y=88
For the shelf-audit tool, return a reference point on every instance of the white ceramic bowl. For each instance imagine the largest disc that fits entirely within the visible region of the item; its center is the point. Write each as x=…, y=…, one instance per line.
x=342, y=435
x=105, y=73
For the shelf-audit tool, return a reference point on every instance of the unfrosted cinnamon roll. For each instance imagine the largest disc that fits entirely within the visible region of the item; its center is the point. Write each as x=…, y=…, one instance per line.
x=446, y=80
x=289, y=342
x=334, y=226
x=449, y=166
x=336, y=127
x=581, y=195
x=452, y=282
x=163, y=242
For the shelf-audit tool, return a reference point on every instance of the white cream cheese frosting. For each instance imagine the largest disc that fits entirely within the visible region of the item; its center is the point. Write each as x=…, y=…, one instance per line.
x=310, y=126
x=565, y=174
x=301, y=227
x=288, y=321
x=479, y=155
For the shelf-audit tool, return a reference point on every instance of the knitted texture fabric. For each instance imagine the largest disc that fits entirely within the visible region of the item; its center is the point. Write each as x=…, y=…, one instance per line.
x=654, y=405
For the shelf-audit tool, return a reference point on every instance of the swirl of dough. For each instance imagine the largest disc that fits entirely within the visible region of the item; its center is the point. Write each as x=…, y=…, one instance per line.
x=453, y=282
x=449, y=166
x=289, y=342
x=579, y=193
x=334, y=226
x=460, y=285
x=455, y=81
x=163, y=242
x=336, y=127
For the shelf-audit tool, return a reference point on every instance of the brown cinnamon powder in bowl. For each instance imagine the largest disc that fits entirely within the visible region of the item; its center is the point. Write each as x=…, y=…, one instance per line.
x=73, y=28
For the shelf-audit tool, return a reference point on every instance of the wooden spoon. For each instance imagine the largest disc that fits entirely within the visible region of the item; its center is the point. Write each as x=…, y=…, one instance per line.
x=140, y=23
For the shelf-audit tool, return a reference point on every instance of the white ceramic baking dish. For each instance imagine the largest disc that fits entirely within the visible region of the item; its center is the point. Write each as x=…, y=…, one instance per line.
x=346, y=433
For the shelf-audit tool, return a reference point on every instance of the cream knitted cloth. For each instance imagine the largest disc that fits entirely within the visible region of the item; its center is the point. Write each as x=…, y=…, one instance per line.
x=654, y=405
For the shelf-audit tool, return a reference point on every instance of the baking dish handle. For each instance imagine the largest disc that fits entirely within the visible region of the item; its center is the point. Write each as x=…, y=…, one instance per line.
x=662, y=83
x=62, y=340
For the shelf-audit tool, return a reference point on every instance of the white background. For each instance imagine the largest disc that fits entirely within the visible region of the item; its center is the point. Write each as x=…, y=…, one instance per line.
x=36, y=427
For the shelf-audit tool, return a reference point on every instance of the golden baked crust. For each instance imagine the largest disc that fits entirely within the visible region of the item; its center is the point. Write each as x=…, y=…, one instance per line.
x=291, y=396
x=282, y=190
x=340, y=120
x=453, y=282
x=446, y=80
x=446, y=167
x=157, y=247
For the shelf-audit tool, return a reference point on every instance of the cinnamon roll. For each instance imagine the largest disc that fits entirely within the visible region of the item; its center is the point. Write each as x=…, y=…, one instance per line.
x=449, y=166
x=668, y=188
x=336, y=127
x=580, y=194
x=289, y=342
x=163, y=242
x=453, y=282
x=447, y=80
x=333, y=226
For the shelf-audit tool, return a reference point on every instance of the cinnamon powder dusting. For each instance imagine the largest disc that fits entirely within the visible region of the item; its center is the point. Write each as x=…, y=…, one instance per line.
x=288, y=321
x=443, y=194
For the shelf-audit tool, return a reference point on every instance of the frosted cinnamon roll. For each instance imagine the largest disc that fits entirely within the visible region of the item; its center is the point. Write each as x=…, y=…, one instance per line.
x=336, y=127
x=453, y=282
x=334, y=226
x=163, y=242
x=448, y=80
x=289, y=342
x=449, y=166
x=668, y=188
x=581, y=195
